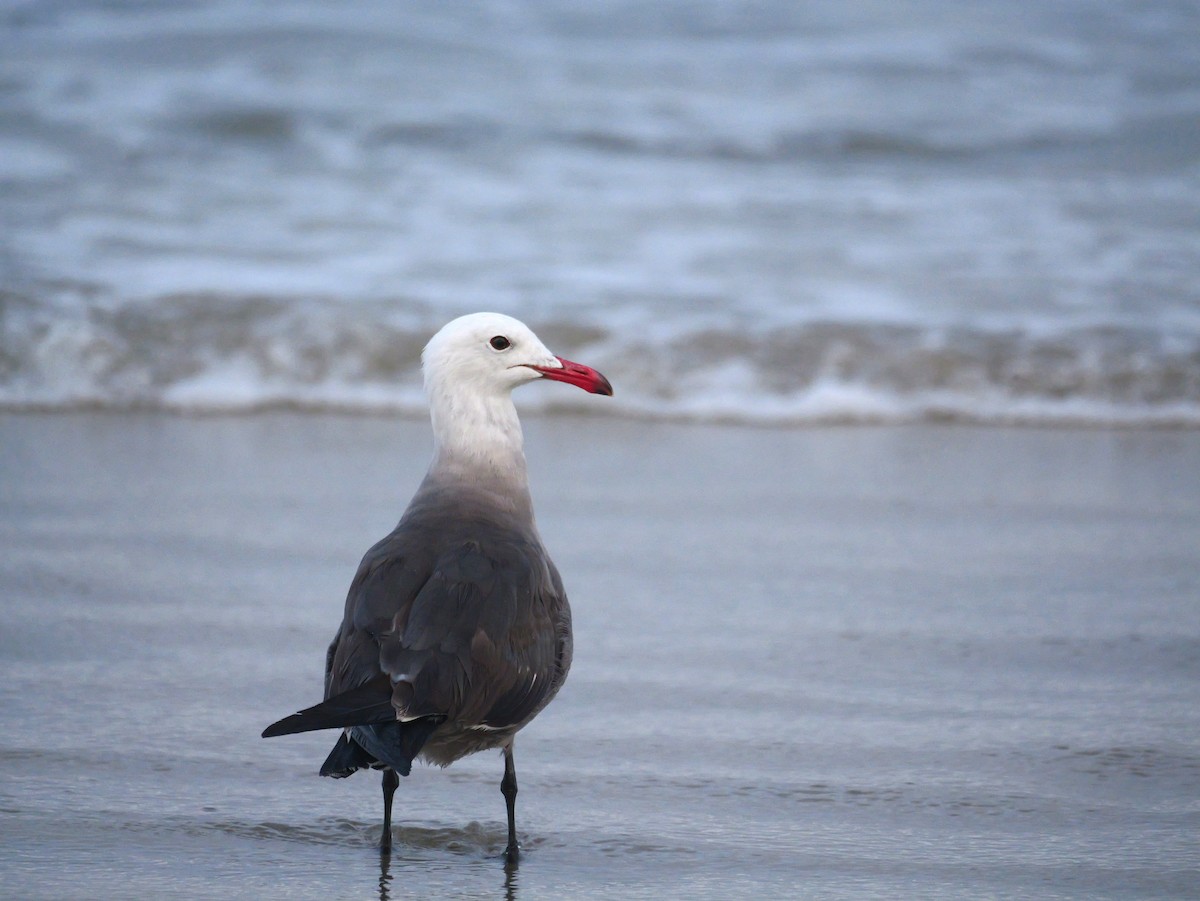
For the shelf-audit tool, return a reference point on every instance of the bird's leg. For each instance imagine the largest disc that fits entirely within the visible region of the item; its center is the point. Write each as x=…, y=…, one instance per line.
x=508, y=787
x=390, y=781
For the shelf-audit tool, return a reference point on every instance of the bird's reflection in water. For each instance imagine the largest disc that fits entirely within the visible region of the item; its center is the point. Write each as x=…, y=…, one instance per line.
x=385, y=878
x=385, y=875
x=510, y=880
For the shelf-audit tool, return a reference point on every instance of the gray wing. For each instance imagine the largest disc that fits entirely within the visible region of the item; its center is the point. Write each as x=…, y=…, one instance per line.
x=478, y=631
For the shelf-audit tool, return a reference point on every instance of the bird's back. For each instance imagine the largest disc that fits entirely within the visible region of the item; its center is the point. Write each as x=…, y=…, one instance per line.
x=461, y=607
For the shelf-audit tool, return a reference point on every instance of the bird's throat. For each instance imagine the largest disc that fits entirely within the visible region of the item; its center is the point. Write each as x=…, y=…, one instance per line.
x=478, y=440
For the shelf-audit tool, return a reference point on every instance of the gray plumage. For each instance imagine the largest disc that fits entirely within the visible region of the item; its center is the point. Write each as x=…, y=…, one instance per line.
x=456, y=630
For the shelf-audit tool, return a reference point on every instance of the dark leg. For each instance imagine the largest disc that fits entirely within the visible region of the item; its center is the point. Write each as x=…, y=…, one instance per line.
x=390, y=781
x=508, y=786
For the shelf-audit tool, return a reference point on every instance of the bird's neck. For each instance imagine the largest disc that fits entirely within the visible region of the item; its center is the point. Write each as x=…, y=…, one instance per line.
x=478, y=444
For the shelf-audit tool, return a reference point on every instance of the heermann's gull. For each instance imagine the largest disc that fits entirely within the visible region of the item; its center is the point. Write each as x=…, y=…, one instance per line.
x=456, y=629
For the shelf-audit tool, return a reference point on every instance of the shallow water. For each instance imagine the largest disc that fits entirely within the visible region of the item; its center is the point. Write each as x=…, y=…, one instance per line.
x=833, y=663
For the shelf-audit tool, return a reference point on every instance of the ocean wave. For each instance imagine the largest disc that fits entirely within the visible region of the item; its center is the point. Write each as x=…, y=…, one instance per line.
x=203, y=353
x=1169, y=141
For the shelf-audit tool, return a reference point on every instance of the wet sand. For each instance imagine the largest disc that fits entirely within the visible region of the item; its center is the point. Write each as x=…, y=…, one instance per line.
x=828, y=662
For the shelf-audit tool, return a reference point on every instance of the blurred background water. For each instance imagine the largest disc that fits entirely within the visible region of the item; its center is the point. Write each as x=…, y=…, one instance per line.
x=768, y=212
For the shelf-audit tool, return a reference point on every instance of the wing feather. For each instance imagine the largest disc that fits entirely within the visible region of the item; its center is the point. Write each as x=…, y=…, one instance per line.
x=466, y=623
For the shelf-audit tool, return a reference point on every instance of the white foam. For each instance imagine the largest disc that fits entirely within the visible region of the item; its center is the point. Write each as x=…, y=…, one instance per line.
x=238, y=388
x=831, y=403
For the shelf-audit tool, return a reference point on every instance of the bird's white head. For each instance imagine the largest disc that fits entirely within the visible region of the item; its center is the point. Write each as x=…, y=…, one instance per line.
x=471, y=367
x=489, y=353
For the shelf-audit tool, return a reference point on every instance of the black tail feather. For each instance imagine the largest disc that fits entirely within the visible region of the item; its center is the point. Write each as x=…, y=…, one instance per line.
x=346, y=758
x=367, y=704
x=395, y=744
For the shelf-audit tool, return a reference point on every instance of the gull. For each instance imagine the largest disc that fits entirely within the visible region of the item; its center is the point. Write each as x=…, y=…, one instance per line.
x=456, y=631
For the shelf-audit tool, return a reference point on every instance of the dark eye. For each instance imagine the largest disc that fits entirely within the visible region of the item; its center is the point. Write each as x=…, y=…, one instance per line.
x=500, y=343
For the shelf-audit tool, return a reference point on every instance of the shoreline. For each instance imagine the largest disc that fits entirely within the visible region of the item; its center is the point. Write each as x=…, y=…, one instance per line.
x=1166, y=422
